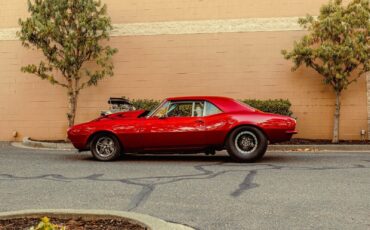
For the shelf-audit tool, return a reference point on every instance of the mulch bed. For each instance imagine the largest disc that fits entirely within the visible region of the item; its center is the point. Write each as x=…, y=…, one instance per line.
x=74, y=224
x=300, y=141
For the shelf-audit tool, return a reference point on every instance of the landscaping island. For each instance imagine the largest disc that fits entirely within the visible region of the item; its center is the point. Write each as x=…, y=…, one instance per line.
x=74, y=223
x=74, y=219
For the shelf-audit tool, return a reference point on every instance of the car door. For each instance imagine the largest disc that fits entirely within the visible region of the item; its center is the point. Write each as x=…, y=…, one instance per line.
x=181, y=127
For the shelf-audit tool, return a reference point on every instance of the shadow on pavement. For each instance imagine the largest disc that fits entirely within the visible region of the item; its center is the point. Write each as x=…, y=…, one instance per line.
x=270, y=157
x=190, y=158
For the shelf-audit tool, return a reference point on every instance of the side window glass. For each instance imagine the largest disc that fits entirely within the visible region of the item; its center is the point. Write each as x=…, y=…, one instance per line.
x=198, y=109
x=211, y=109
x=181, y=109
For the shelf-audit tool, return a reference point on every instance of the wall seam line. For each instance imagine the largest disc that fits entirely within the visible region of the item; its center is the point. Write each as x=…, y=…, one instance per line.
x=191, y=27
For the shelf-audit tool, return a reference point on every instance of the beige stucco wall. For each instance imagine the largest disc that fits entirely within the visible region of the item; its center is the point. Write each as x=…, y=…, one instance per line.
x=239, y=65
x=170, y=10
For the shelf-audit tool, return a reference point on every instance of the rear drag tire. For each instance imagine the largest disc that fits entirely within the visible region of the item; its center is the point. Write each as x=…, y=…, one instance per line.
x=246, y=144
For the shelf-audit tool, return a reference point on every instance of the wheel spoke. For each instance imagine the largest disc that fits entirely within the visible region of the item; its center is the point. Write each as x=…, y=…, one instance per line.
x=246, y=142
x=105, y=147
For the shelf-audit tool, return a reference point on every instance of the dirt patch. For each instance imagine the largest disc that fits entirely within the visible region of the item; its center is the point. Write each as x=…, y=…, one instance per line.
x=74, y=223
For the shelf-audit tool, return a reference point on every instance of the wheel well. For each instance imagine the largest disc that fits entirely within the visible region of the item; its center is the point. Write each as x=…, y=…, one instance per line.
x=91, y=137
x=249, y=125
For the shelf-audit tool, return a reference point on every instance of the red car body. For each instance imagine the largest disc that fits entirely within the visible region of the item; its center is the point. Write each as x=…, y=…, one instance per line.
x=138, y=133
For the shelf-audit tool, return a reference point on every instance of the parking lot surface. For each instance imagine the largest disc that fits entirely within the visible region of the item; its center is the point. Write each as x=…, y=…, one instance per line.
x=286, y=190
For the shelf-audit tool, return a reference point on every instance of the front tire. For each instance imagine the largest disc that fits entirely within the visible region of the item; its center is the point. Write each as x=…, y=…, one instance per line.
x=105, y=147
x=246, y=144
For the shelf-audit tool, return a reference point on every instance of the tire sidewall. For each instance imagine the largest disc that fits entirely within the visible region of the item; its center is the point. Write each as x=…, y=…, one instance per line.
x=111, y=157
x=250, y=157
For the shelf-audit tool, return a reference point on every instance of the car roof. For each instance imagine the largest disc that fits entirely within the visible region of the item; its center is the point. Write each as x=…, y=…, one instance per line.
x=184, y=98
x=226, y=104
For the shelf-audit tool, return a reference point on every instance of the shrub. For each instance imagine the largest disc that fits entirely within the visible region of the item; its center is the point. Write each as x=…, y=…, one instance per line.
x=278, y=106
x=146, y=104
x=46, y=225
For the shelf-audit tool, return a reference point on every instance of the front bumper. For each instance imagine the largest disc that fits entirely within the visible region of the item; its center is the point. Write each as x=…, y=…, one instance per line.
x=78, y=140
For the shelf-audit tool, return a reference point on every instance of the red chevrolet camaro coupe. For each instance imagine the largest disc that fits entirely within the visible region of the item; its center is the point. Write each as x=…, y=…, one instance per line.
x=185, y=124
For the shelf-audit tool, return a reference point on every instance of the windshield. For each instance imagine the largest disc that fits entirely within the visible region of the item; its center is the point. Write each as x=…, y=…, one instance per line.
x=177, y=109
x=160, y=110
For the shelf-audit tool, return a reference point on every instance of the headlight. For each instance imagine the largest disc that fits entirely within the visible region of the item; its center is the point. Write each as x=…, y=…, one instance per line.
x=74, y=131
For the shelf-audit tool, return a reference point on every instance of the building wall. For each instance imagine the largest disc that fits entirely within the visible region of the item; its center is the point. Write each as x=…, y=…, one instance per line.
x=239, y=65
x=173, y=10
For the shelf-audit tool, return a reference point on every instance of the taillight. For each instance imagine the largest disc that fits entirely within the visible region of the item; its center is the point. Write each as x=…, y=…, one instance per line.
x=291, y=123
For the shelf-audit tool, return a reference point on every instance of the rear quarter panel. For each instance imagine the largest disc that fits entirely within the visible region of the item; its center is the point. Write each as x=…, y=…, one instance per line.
x=272, y=125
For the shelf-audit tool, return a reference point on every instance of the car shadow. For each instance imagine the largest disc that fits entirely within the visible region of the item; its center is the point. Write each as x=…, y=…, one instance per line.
x=176, y=157
x=268, y=158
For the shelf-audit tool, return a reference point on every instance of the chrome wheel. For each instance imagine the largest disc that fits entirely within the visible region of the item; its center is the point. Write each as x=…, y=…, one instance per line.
x=246, y=142
x=105, y=147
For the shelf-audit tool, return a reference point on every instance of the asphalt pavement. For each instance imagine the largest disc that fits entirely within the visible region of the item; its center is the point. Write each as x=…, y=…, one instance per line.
x=286, y=190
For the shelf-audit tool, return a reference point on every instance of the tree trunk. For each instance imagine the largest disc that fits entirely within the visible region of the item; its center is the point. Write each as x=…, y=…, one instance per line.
x=336, y=118
x=72, y=106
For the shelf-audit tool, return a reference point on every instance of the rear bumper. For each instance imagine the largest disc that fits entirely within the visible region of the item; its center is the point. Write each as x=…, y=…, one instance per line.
x=291, y=132
x=276, y=136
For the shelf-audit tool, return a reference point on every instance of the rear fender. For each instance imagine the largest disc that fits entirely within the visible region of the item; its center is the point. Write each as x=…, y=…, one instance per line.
x=246, y=125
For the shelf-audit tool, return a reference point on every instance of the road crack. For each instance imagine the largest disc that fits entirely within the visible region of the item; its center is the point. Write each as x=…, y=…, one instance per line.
x=246, y=184
x=204, y=172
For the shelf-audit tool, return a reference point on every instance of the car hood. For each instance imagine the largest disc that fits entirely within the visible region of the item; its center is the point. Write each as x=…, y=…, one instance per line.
x=123, y=115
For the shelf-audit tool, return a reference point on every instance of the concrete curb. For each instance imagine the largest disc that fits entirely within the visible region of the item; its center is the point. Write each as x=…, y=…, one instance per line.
x=329, y=147
x=4, y=143
x=27, y=143
x=48, y=145
x=152, y=222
